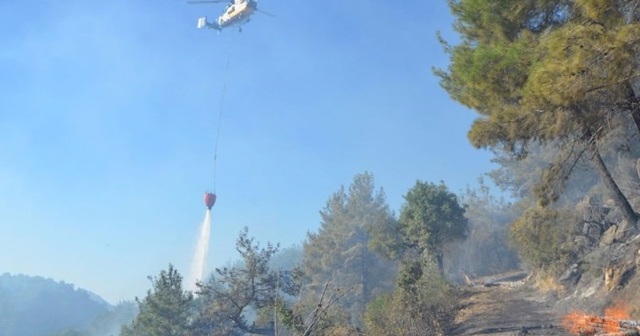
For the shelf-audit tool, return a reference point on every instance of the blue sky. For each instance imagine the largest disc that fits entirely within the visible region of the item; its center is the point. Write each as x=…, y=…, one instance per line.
x=109, y=109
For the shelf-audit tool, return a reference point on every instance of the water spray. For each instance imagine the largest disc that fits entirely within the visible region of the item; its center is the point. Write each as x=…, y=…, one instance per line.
x=199, y=263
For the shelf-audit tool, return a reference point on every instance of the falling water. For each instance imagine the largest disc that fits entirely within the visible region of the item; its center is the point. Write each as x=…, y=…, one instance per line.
x=202, y=247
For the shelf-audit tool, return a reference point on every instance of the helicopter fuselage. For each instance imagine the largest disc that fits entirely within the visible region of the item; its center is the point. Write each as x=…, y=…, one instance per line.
x=237, y=13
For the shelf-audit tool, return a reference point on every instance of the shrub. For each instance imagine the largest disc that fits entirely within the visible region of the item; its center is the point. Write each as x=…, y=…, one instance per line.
x=424, y=303
x=540, y=236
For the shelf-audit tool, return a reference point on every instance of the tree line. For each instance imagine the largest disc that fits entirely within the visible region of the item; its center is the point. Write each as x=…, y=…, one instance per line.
x=365, y=271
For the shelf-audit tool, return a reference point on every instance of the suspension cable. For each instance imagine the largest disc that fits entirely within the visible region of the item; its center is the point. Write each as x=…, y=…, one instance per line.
x=224, y=91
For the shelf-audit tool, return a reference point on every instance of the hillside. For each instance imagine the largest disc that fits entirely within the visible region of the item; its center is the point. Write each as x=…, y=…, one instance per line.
x=31, y=305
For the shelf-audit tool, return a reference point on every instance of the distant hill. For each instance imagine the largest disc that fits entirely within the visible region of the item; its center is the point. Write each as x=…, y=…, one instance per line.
x=31, y=305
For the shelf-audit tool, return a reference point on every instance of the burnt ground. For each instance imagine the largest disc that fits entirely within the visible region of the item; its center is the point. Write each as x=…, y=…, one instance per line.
x=503, y=310
x=508, y=304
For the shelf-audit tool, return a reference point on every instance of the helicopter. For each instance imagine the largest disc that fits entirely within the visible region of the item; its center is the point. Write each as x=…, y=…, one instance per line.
x=237, y=13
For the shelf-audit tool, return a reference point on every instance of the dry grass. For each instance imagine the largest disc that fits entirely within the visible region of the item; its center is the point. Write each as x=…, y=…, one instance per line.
x=548, y=283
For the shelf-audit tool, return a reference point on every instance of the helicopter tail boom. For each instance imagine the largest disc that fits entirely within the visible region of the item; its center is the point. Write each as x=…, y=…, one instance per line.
x=202, y=22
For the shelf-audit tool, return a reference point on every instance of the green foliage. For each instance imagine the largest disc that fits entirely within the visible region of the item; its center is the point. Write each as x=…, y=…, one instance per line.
x=165, y=309
x=430, y=218
x=378, y=319
x=339, y=252
x=553, y=71
x=251, y=287
x=424, y=303
x=541, y=235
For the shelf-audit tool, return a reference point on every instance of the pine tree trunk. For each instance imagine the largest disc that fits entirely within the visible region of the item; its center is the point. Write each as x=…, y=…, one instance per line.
x=365, y=281
x=440, y=262
x=617, y=195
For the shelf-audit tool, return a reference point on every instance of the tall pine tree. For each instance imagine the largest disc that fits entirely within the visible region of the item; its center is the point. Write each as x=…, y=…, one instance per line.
x=339, y=252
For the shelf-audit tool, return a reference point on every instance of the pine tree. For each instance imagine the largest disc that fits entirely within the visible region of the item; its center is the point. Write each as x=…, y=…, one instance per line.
x=165, y=309
x=552, y=71
x=249, y=288
x=339, y=252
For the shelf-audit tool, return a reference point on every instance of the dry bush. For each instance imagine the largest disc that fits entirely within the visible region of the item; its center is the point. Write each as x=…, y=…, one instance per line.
x=547, y=282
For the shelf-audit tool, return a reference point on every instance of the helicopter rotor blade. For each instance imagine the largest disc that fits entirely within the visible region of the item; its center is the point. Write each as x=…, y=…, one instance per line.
x=193, y=2
x=266, y=13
